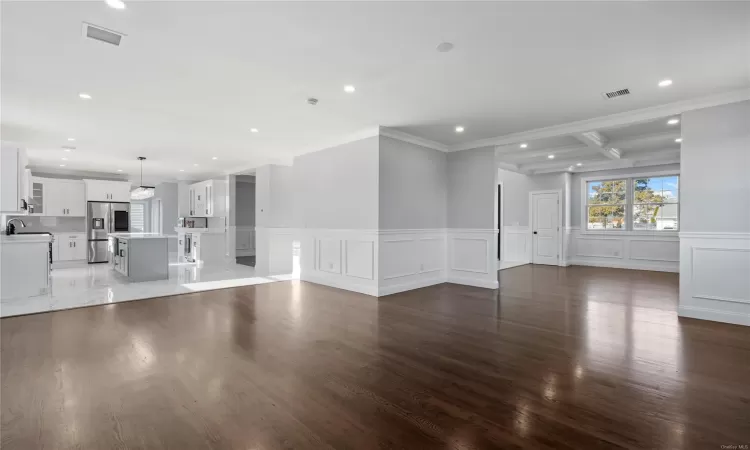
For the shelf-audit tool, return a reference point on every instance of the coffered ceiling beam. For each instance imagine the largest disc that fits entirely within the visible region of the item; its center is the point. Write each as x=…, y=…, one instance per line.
x=598, y=142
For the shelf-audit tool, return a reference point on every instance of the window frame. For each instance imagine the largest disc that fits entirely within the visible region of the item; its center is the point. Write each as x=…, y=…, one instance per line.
x=629, y=202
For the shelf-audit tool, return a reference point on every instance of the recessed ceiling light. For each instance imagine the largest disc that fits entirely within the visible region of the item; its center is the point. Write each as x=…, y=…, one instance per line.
x=444, y=47
x=570, y=168
x=665, y=83
x=195, y=165
x=551, y=157
x=579, y=164
x=253, y=130
x=459, y=129
x=524, y=145
x=84, y=96
x=182, y=170
x=673, y=121
x=116, y=4
x=119, y=170
x=349, y=88
x=71, y=139
x=214, y=158
x=67, y=150
x=62, y=165
x=678, y=140
x=65, y=159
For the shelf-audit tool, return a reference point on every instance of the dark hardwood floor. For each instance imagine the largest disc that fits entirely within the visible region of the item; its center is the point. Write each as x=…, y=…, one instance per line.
x=572, y=358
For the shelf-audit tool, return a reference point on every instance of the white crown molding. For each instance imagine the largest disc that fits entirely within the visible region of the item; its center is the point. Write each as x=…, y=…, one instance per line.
x=628, y=117
x=411, y=139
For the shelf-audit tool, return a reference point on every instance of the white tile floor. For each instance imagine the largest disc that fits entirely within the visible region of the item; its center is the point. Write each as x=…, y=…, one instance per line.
x=97, y=284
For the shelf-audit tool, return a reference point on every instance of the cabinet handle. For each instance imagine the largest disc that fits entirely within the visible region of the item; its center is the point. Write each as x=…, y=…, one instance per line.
x=70, y=244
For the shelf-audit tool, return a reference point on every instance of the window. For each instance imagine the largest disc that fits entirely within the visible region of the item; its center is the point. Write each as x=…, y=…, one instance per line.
x=640, y=203
x=655, y=203
x=606, y=204
x=137, y=217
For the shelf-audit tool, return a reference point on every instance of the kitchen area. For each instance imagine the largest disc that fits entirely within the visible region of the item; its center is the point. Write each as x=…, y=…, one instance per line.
x=74, y=241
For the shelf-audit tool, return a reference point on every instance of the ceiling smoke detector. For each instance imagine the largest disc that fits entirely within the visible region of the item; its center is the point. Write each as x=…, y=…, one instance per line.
x=101, y=34
x=444, y=47
x=615, y=94
x=312, y=101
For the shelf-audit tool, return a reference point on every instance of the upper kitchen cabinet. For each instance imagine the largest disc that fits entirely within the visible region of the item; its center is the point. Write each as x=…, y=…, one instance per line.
x=13, y=179
x=107, y=191
x=57, y=197
x=208, y=198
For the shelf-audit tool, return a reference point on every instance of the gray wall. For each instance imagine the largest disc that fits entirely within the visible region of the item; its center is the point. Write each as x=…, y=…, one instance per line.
x=472, y=189
x=576, y=198
x=337, y=188
x=245, y=192
x=274, y=197
x=715, y=163
x=516, y=197
x=167, y=192
x=413, y=188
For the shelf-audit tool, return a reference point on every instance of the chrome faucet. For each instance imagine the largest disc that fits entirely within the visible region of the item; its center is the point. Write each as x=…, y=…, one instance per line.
x=10, y=228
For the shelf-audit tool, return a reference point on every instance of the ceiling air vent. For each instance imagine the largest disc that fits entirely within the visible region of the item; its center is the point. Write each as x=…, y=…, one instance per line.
x=102, y=34
x=618, y=93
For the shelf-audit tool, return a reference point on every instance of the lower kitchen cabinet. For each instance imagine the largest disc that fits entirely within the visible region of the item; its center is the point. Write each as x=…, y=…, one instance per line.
x=69, y=247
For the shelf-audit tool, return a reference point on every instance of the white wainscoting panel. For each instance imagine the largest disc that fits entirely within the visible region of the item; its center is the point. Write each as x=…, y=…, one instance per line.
x=472, y=257
x=245, y=240
x=274, y=251
x=625, y=250
x=360, y=259
x=411, y=259
x=345, y=259
x=516, y=244
x=715, y=277
x=384, y=262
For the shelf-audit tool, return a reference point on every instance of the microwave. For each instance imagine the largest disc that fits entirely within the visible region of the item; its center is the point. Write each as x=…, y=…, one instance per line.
x=192, y=222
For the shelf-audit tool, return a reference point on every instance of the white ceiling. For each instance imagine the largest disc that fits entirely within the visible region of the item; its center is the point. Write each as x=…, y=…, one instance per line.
x=192, y=78
x=641, y=143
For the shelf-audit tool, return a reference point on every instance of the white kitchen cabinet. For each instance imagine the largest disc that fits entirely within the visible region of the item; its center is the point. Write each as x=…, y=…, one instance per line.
x=37, y=197
x=208, y=198
x=107, y=191
x=13, y=178
x=60, y=197
x=70, y=247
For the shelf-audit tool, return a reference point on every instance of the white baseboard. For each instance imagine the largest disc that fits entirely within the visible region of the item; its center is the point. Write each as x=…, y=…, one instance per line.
x=487, y=284
x=715, y=315
x=395, y=289
x=616, y=264
x=347, y=286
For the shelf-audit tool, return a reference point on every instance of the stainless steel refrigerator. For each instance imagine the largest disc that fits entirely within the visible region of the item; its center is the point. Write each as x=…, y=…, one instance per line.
x=103, y=218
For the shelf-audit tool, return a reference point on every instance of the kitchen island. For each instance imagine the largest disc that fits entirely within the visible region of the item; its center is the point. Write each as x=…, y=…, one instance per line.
x=140, y=256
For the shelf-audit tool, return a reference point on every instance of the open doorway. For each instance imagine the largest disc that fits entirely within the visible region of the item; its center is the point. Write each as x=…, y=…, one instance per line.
x=500, y=221
x=245, y=220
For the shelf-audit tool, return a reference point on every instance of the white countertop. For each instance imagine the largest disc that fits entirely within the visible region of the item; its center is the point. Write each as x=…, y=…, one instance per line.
x=199, y=230
x=140, y=235
x=24, y=238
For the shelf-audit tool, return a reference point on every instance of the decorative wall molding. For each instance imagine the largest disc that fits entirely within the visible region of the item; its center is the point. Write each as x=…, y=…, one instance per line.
x=623, y=250
x=383, y=262
x=714, y=282
x=244, y=240
x=516, y=243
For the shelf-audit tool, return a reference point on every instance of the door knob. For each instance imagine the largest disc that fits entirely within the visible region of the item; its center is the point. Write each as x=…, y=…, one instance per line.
x=535, y=232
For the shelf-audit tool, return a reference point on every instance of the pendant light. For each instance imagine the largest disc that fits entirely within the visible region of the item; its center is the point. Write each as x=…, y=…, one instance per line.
x=142, y=192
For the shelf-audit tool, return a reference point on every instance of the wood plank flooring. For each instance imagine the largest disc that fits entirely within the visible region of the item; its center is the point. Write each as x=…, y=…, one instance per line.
x=564, y=358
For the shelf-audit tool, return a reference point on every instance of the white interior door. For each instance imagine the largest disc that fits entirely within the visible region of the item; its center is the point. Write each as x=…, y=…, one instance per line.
x=544, y=223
